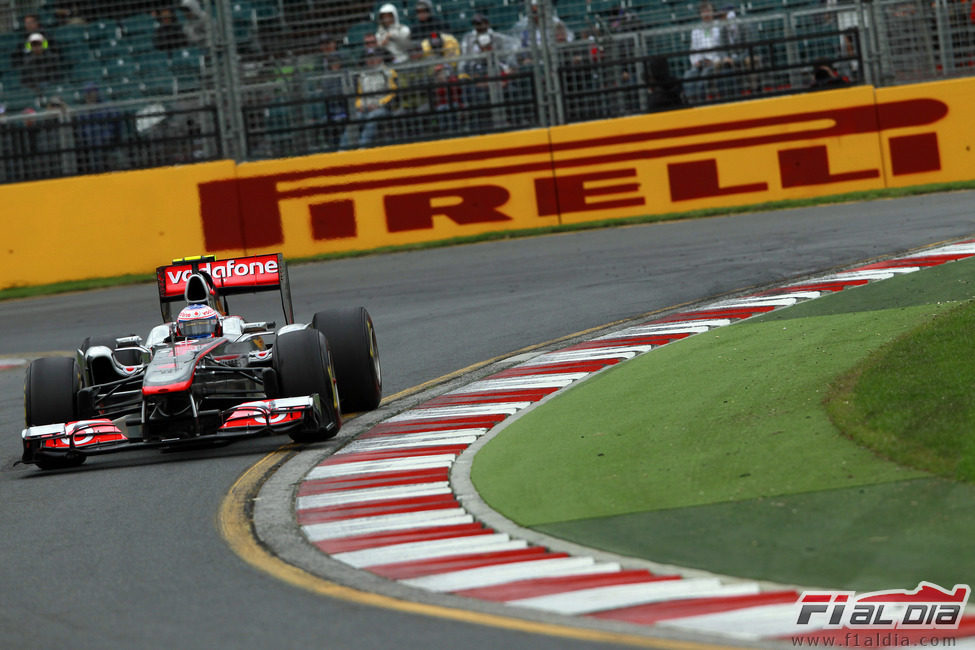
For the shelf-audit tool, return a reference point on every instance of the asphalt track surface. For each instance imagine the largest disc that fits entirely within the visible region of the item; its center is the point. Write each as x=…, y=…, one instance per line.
x=126, y=552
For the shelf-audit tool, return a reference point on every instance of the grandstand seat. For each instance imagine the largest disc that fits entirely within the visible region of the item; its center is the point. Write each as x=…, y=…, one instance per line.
x=99, y=31
x=357, y=31
x=89, y=71
x=113, y=48
x=15, y=97
x=503, y=16
x=267, y=9
x=245, y=24
x=186, y=65
x=138, y=25
x=121, y=68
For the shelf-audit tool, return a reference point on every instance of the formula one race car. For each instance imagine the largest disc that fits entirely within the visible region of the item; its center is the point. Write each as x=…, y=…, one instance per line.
x=205, y=376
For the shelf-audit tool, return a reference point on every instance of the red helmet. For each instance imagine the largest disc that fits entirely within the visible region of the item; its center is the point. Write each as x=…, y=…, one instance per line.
x=198, y=322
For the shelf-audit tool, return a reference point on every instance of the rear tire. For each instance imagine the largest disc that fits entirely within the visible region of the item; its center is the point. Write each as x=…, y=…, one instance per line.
x=355, y=353
x=303, y=364
x=50, y=391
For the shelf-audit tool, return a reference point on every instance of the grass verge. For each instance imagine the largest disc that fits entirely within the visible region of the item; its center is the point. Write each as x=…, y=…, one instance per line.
x=913, y=400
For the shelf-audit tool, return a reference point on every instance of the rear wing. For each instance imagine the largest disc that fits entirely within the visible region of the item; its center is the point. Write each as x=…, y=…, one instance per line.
x=227, y=277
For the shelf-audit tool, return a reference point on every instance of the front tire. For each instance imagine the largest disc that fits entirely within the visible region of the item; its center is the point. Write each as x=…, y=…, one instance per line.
x=355, y=351
x=50, y=391
x=303, y=365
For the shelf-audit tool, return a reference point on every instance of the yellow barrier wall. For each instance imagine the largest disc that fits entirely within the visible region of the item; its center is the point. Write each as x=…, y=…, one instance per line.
x=749, y=152
x=101, y=226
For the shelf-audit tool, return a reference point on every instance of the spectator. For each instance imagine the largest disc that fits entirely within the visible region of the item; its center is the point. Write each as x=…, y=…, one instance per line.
x=97, y=131
x=333, y=63
x=375, y=91
x=393, y=35
x=413, y=94
x=69, y=12
x=448, y=91
x=706, y=36
x=848, y=22
x=480, y=93
x=41, y=65
x=826, y=77
x=169, y=34
x=664, y=88
x=529, y=27
x=31, y=25
x=503, y=45
x=623, y=19
x=332, y=59
x=196, y=23
x=426, y=22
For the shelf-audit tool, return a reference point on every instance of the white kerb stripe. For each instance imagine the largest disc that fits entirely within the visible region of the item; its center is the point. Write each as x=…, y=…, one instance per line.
x=379, y=466
x=387, y=523
x=371, y=495
x=521, y=383
x=504, y=408
x=430, y=549
x=747, y=623
x=595, y=354
x=597, y=599
x=758, y=301
x=872, y=274
x=951, y=249
x=411, y=441
x=649, y=330
x=498, y=574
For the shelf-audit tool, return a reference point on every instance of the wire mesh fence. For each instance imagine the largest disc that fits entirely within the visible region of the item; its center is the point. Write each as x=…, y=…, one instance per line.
x=108, y=85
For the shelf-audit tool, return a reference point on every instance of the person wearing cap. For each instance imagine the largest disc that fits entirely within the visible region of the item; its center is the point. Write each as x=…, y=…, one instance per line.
x=375, y=93
x=31, y=24
x=426, y=22
x=392, y=34
x=502, y=44
x=448, y=93
x=41, y=65
x=168, y=34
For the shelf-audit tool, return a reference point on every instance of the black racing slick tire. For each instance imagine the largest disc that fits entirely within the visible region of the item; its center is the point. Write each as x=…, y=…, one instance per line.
x=50, y=389
x=303, y=365
x=355, y=353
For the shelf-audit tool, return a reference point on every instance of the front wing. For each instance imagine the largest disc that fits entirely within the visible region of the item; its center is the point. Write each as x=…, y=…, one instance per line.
x=104, y=436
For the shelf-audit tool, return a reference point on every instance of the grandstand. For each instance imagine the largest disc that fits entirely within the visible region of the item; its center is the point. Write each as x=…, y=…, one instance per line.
x=249, y=79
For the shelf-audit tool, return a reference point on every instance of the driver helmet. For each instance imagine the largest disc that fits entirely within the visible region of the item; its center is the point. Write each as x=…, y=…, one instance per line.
x=198, y=322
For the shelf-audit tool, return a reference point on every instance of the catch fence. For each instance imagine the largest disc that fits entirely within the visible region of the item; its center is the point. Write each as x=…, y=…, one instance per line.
x=124, y=84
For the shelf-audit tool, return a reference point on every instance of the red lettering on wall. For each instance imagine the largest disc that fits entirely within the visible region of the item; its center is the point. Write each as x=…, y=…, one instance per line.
x=415, y=211
x=913, y=154
x=240, y=213
x=570, y=194
x=810, y=166
x=333, y=219
x=699, y=179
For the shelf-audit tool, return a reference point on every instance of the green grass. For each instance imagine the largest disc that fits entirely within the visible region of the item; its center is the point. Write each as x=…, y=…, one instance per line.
x=871, y=195
x=913, y=401
x=718, y=452
x=729, y=415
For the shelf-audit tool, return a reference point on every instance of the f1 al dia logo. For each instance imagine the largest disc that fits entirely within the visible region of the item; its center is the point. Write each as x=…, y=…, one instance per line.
x=929, y=607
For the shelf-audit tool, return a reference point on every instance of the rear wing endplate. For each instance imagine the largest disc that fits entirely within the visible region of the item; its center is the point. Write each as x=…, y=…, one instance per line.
x=232, y=276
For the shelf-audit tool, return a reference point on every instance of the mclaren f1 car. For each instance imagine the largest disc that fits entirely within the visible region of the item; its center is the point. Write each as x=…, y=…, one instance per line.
x=204, y=376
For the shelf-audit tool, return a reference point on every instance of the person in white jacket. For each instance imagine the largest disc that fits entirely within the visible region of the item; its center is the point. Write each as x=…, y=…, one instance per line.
x=392, y=34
